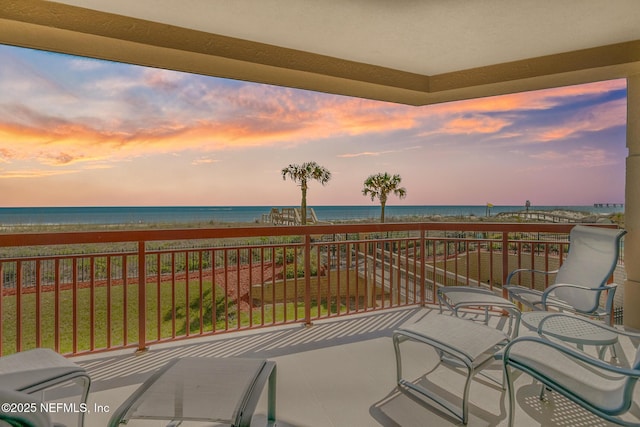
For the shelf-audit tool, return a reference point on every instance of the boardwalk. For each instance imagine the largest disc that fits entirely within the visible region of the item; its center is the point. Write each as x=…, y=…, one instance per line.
x=545, y=216
x=289, y=216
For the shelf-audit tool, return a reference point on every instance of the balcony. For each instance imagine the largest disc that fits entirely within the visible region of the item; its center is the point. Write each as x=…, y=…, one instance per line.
x=322, y=301
x=339, y=372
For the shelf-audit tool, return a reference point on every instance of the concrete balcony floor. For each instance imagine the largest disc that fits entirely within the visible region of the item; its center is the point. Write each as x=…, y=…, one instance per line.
x=340, y=372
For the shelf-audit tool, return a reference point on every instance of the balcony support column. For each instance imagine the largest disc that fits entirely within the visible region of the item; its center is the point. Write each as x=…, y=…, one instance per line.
x=632, y=206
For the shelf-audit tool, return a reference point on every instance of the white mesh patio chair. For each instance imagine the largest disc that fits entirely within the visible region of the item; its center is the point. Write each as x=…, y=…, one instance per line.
x=602, y=388
x=581, y=279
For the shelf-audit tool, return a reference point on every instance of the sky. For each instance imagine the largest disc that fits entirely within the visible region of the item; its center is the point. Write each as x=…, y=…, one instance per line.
x=82, y=132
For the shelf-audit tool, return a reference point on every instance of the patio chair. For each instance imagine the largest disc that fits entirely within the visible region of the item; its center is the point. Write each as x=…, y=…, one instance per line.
x=456, y=298
x=600, y=387
x=23, y=416
x=39, y=369
x=582, y=277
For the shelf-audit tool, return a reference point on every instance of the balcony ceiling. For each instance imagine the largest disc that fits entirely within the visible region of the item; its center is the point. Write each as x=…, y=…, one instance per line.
x=415, y=52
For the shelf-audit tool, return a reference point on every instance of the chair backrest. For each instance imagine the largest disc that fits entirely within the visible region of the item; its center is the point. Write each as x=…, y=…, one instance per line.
x=593, y=254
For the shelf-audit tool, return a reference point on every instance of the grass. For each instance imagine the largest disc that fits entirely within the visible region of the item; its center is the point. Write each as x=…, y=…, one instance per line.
x=116, y=334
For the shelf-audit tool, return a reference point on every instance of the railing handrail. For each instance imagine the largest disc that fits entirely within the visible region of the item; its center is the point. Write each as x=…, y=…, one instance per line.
x=133, y=236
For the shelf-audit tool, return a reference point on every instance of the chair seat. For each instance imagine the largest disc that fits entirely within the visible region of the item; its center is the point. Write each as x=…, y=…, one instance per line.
x=459, y=297
x=605, y=390
x=532, y=297
x=464, y=338
x=466, y=296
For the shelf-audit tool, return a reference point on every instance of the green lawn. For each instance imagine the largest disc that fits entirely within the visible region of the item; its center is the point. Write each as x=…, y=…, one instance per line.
x=119, y=310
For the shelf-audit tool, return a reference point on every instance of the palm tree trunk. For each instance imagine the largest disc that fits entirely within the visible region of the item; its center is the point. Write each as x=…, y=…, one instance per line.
x=303, y=205
x=382, y=204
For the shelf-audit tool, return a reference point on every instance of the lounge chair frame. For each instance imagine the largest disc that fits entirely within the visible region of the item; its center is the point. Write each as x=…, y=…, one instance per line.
x=545, y=369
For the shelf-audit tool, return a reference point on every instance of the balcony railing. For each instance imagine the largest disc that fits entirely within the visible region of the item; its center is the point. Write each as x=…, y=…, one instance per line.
x=92, y=291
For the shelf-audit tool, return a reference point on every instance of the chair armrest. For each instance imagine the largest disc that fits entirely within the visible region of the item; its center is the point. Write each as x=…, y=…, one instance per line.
x=571, y=352
x=552, y=288
x=529, y=270
x=611, y=288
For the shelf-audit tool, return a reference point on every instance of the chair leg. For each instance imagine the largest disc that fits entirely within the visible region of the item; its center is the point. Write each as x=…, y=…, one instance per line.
x=86, y=385
x=440, y=298
x=614, y=352
x=510, y=394
x=543, y=390
x=465, y=397
x=396, y=346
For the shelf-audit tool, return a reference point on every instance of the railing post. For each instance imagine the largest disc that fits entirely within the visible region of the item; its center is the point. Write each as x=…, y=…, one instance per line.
x=505, y=261
x=39, y=304
x=18, y=306
x=142, y=297
x=423, y=257
x=307, y=279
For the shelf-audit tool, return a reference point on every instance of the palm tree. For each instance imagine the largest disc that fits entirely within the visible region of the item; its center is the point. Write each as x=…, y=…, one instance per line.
x=302, y=174
x=380, y=185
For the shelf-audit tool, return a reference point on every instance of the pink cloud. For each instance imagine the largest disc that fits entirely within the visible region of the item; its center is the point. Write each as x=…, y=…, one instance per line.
x=35, y=173
x=549, y=156
x=584, y=157
x=556, y=134
x=162, y=79
x=475, y=124
x=589, y=158
x=204, y=161
x=362, y=154
x=534, y=100
x=604, y=116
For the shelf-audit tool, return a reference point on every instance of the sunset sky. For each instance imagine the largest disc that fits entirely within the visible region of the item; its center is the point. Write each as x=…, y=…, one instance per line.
x=83, y=132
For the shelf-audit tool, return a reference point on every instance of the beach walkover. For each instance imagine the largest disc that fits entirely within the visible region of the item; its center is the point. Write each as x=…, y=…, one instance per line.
x=552, y=216
x=289, y=216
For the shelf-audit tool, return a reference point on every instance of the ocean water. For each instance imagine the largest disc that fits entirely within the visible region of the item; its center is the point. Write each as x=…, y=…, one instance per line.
x=216, y=214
